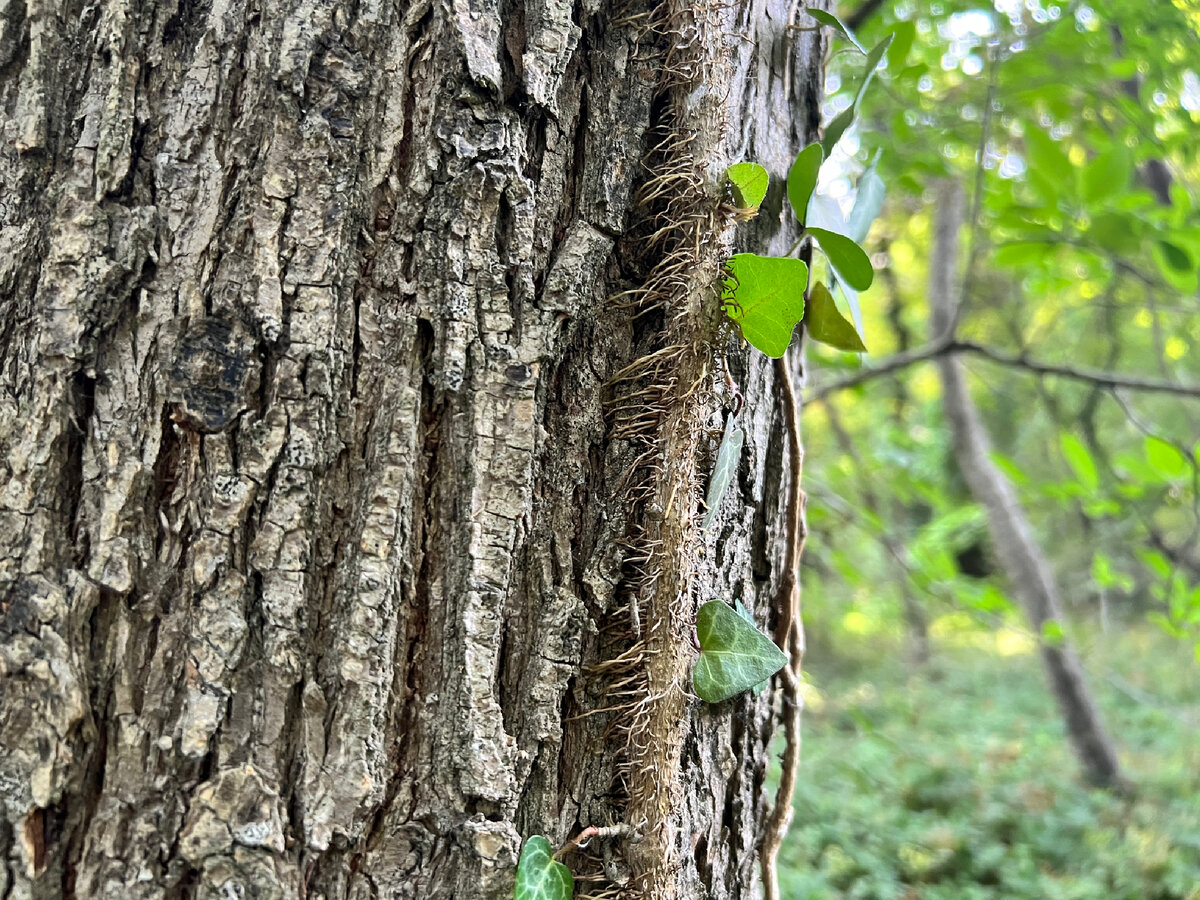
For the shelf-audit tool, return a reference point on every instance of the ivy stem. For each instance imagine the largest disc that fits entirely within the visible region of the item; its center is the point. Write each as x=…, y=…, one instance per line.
x=581, y=840
x=799, y=241
x=789, y=635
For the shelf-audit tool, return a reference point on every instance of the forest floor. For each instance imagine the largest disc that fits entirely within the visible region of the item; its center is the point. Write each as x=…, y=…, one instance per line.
x=956, y=781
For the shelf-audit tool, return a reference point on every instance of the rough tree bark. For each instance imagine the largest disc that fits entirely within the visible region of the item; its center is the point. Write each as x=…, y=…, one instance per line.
x=1020, y=557
x=347, y=521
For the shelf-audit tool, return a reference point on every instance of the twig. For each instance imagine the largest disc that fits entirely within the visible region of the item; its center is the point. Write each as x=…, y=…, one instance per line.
x=944, y=346
x=621, y=829
x=974, y=241
x=790, y=638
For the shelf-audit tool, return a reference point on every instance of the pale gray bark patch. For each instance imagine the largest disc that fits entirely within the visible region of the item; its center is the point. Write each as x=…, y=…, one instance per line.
x=310, y=607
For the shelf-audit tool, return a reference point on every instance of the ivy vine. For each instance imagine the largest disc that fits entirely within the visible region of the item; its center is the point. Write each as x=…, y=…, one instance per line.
x=766, y=296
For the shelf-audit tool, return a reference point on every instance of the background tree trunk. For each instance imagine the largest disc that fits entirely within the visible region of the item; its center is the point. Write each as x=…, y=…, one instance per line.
x=347, y=527
x=1019, y=555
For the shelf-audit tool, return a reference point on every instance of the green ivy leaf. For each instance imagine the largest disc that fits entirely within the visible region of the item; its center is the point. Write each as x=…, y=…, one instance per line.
x=734, y=655
x=850, y=260
x=825, y=323
x=540, y=876
x=749, y=617
x=828, y=18
x=1080, y=461
x=802, y=179
x=843, y=120
x=749, y=183
x=728, y=455
x=765, y=296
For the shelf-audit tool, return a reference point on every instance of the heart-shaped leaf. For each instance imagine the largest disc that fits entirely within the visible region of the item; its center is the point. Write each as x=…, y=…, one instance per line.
x=825, y=323
x=734, y=655
x=828, y=18
x=540, y=876
x=850, y=260
x=765, y=296
x=728, y=455
x=749, y=617
x=802, y=178
x=749, y=184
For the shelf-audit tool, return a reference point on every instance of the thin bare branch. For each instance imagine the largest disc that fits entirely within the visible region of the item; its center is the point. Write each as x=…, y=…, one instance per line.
x=942, y=347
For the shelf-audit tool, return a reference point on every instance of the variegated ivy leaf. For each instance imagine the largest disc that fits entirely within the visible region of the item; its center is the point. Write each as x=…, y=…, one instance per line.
x=540, y=876
x=734, y=655
x=749, y=617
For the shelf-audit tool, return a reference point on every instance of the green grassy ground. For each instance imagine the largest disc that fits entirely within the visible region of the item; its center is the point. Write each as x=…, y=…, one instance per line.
x=957, y=782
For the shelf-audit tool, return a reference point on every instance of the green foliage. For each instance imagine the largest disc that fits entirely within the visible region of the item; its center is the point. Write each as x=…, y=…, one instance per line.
x=539, y=875
x=728, y=455
x=1080, y=461
x=748, y=181
x=734, y=655
x=765, y=296
x=847, y=258
x=828, y=18
x=827, y=325
x=802, y=179
x=955, y=783
x=1082, y=257
x=835, y=129
x=765, y=310
x=749, y=617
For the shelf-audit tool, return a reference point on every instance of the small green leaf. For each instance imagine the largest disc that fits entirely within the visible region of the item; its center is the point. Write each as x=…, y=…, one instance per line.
x=1052, y=633
x=828, y=18
x=835, y=129
x=1107, y=174
x=540, y=876
x=728, y=455
x=906, y=33
x=765, y=296
x=868, y=201
x=850, y=260
x=1165, y=458
x=749, y=183
x=734, y=655
x=749, y=617
x=1080, y=461
x=843, y=120
x=1175, y=257
x=802, y=178
x=1050, y=169
x=826, y=324
x=1175, y=265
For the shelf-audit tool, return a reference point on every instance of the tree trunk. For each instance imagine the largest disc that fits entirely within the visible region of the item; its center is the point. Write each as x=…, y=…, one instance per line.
x=360, y=368
x=1020, y=557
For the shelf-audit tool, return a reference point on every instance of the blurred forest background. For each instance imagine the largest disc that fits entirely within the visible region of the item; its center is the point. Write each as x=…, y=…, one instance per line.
x=938, y=757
